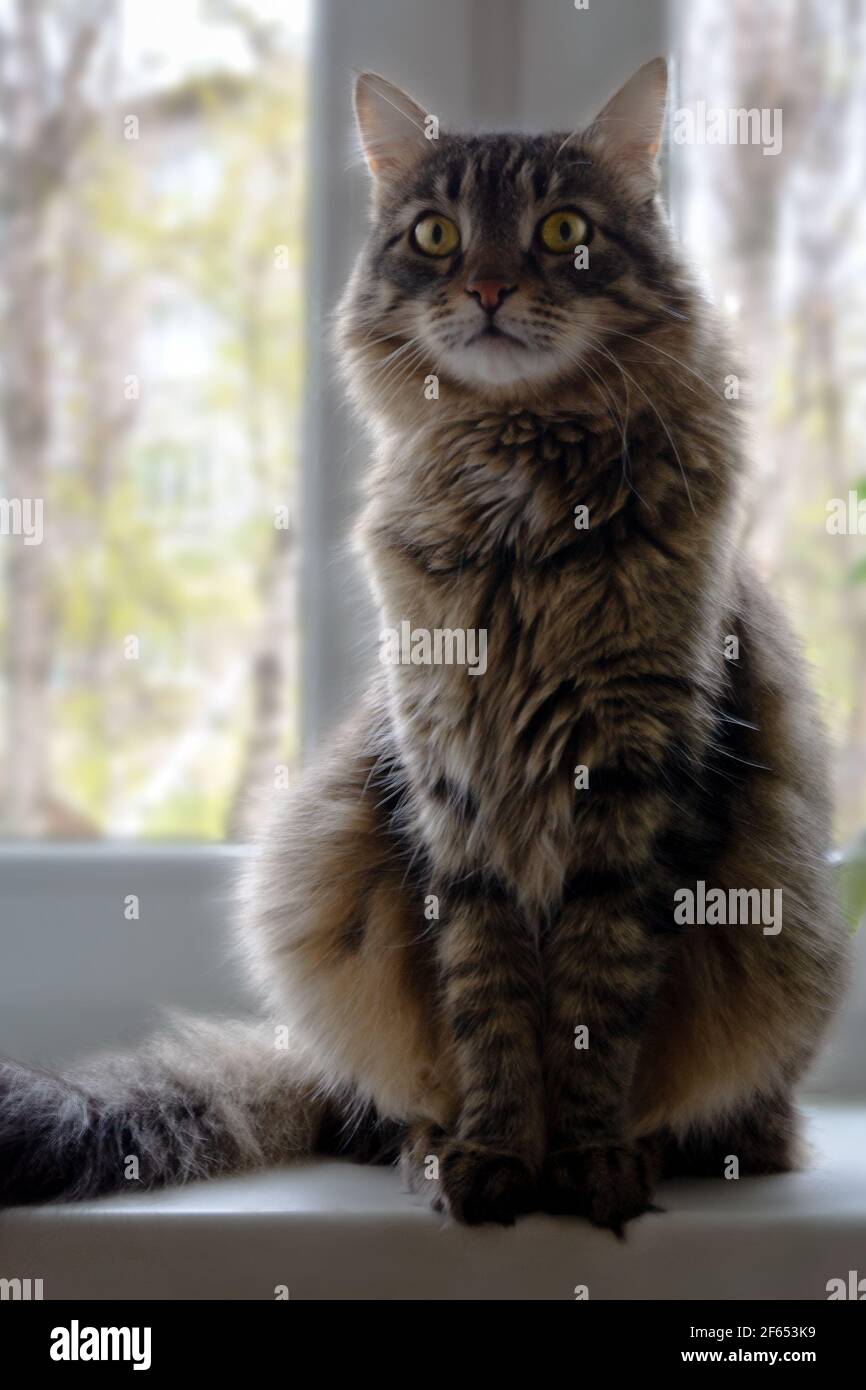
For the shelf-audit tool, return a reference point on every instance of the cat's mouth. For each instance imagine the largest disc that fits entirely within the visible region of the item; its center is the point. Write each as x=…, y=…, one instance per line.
x=494, y=356
x=494, y=336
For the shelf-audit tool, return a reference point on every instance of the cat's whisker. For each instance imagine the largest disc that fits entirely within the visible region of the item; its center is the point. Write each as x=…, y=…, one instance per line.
x=664, y=308
x=402, y=371
x=645, y=342
x=390, y=369
x=405, y=343
x=385, y=338
x=609, y=354
x=390, y=358
x=617, y=416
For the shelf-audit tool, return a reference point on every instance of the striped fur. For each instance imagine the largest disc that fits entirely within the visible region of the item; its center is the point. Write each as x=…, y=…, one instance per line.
x=440, y=908
x=205, y=1098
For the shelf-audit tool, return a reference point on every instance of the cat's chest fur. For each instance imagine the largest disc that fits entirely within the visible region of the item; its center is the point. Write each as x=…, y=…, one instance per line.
x=511, y=536
x=521, y=529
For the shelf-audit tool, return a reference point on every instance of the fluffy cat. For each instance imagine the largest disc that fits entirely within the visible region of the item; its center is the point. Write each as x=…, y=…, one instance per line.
x=466, y=918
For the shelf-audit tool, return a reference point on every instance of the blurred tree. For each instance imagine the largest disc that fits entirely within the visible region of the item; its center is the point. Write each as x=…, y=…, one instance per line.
x=784, y=239
x=47, y=56
x=151, y=362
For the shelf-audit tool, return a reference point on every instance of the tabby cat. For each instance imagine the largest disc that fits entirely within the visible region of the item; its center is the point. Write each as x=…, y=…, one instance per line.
x=467, y=918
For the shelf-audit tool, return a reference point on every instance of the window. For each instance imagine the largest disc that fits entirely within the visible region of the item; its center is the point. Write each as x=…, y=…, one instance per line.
x=779, y=225
x=152, y=357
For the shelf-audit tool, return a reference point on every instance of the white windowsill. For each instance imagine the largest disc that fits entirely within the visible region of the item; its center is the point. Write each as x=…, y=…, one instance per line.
x=331, y=1230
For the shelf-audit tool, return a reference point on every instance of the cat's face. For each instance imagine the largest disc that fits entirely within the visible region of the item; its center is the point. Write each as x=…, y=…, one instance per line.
x=509, y=260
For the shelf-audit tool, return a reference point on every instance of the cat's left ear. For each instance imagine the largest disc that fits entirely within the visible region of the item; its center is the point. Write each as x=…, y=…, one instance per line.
x=391, y=126
x=630, y=126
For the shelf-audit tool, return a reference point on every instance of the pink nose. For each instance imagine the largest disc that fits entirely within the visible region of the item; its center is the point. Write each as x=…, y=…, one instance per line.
x=489, y=293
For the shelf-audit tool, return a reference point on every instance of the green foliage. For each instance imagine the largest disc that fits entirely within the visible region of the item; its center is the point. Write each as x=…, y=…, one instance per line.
x=852, y=880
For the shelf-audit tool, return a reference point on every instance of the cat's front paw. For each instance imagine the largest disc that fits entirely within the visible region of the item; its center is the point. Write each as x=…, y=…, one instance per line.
x=478, y=1184
x=609, y=1184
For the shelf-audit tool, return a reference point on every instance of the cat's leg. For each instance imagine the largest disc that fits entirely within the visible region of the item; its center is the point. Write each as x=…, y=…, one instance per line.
x=421, y=1157
x=490, y=990
x=606, y=952
x=602, y=969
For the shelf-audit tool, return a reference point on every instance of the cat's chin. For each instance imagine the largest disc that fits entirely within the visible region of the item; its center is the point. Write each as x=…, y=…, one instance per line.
x=500, y=363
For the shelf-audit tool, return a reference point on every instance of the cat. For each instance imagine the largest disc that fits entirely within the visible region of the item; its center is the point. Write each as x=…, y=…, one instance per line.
x=465, y=919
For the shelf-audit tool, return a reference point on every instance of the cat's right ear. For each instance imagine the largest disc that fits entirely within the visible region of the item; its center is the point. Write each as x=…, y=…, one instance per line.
x=391, y=126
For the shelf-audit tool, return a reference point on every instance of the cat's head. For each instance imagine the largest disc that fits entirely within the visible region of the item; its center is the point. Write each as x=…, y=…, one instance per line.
x=505, y=264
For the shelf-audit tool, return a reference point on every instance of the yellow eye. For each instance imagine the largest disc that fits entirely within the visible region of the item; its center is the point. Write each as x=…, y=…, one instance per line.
x=563, y=230
x=435, y=235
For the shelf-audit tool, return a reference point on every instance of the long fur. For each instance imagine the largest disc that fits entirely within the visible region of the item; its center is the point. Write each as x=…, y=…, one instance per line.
x=438, y=909
x=202, y=1099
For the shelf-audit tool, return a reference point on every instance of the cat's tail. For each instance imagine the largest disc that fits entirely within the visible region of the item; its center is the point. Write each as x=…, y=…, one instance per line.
x=203, y=1099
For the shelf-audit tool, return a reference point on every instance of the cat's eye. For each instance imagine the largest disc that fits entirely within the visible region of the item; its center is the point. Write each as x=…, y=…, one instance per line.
x=434, y=235
x=563, y=230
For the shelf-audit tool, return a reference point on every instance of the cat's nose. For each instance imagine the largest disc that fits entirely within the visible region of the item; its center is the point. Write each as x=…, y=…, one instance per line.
x=489, y=293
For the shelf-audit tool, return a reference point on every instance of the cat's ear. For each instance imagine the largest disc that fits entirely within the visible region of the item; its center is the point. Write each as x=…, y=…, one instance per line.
x=630, y=126
x=391, y=126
